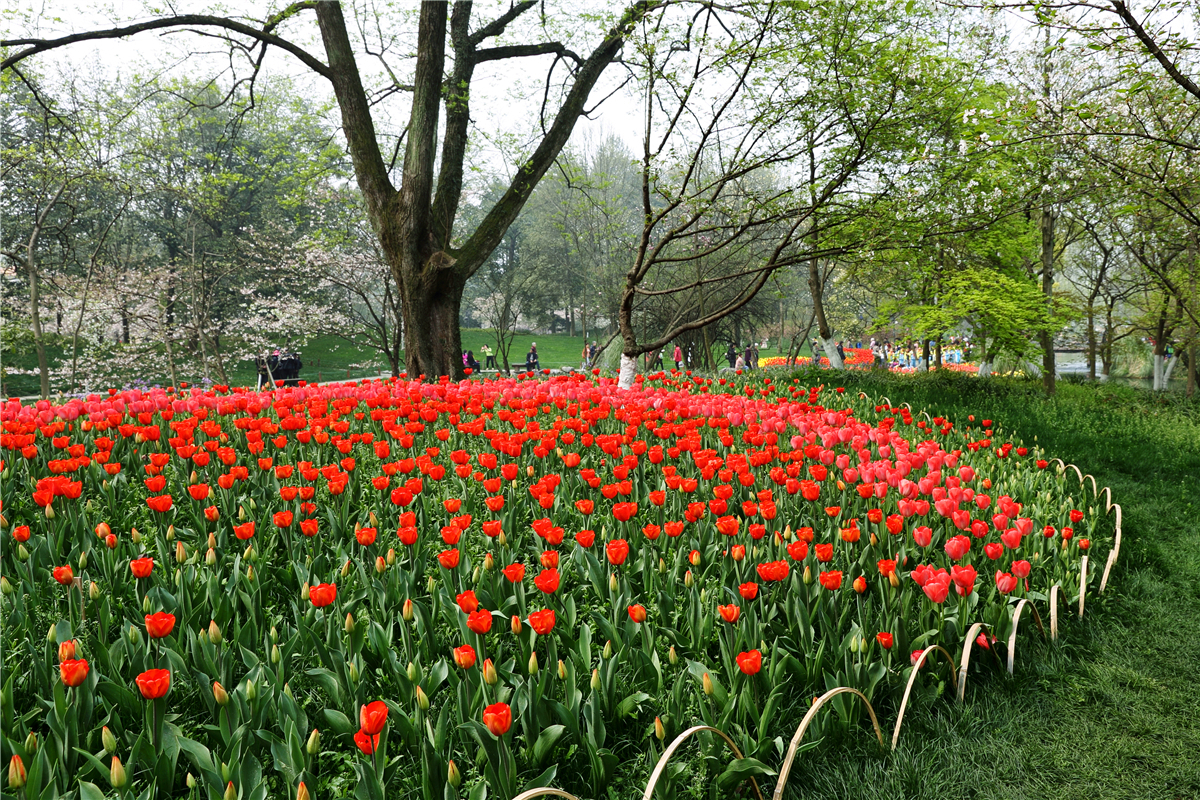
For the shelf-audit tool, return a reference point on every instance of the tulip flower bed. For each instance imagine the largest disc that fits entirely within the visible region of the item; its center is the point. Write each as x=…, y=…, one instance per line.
x=433, y=590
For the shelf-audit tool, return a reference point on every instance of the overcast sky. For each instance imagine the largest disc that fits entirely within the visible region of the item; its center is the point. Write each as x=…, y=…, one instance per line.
x=505, y=94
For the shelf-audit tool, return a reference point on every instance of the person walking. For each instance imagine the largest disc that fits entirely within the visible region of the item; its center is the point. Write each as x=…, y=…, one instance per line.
x=678, y=357
x=747, y=356
x=841, y=352
x=731, y=355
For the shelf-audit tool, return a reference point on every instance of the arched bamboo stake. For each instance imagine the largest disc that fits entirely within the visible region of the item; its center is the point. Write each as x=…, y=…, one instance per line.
x=804, y=723
x=907, y=405
x=1082, y=584
x=1062, y=465
x=1077, y=473
x=670, y=751
x=545, y=792
x=863, y=396
x=1095, y=491
x=966, y=657
x=1117, y=538
x=912, y=678
x=927, y=417
x=1054, y=613
x=1112, y=559
x=1108, y=503
x=887, y=400
x=1012, y=638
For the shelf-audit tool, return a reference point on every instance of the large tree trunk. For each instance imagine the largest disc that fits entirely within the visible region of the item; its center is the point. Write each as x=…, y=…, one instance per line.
x=431, y=315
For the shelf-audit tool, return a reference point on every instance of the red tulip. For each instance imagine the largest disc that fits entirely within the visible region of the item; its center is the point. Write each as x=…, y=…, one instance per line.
x=73, y=671
x=637, y=613
x=308, y=527
x=964, y=579
x=464, y=656
x=367, y=744
x=141, y=567
x=885, y=640
x=372, y=717
x=623, y=511
x=322, y=594
x=480, y=621
x=542, y=622
x=748, y=590
x=1011, y=538
x=887, y=567
x=547, y=581
x=498, y=718
x=617, y=551
x=957, y=547
x=365, y=536
x=729, y=613
x=21, y=533
x=587, y=538
x=860, y=584
x=993, y=550
x=160, y=624
x=1005, y=582
x=282, y=519
x=831, y=580
x=160, y=503
x=728, y=525
x=244, y=531
x=467, y=601
x=773, y=571
x=1021, y=569
x=154, y=683
x=448, y=558
x=750, y=663
x=515, y=573
x=585, y=507
x=824, y=552
x=923, y=536
x=937, y=590
x=1076, y=516
x=64, y=575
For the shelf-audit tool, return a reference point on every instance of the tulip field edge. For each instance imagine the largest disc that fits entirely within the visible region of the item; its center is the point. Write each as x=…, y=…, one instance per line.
x=421, y=577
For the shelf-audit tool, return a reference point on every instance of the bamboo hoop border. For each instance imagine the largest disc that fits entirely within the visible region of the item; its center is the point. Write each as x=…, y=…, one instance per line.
x=912, y=679
x=800, y=731
x=675, y=745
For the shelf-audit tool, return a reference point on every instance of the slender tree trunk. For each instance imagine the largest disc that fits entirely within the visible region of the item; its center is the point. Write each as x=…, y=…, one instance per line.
x=35, y=322
x=937, y=358
x=1191, y=373
x=166, y=334
x=816, y=288
x=1045, y=337
x=1091, y=334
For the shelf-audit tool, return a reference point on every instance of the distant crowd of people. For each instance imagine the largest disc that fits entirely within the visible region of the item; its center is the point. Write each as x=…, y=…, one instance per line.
x=909, y=354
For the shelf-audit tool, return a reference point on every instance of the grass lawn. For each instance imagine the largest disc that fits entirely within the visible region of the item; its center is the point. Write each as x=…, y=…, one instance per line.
x=1110, y=711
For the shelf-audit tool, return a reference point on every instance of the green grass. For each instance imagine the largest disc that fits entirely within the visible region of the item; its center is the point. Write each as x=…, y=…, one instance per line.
x=1111, y=710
